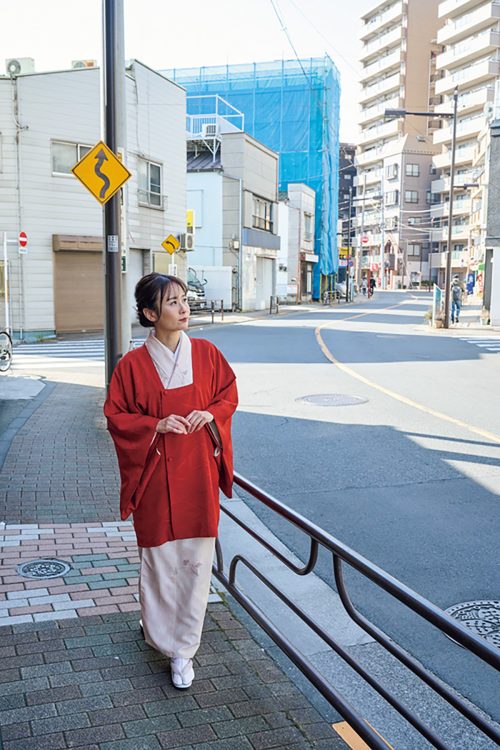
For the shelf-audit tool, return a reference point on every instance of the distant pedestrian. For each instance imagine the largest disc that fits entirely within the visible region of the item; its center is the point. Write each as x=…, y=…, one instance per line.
x=364, y=285
x=456, y=299
x=373, y=285
x=169, y=411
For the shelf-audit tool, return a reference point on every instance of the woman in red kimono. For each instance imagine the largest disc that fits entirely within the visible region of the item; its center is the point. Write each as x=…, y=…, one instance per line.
x=169, y=410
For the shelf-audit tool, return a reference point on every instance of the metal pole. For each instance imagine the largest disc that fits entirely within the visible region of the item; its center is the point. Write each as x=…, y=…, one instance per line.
x=347, y=272
x=447, y=280
x=6, y=282
x=112, y=259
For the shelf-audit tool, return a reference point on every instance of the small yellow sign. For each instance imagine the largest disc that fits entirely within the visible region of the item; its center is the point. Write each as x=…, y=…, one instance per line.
x=343, y=252
x=102, y=172
x=189, y=219
x=171, y=244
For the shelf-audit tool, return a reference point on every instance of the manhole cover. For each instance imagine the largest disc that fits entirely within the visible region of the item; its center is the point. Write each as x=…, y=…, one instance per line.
x=43, y=568
x=482, y=617
x=332, y=399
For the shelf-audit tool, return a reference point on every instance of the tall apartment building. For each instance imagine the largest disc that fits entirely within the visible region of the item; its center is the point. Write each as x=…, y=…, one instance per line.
x=394, y=156
x=469, y=34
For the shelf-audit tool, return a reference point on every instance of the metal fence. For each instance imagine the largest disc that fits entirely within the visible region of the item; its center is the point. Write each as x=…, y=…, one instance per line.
x=343, y=556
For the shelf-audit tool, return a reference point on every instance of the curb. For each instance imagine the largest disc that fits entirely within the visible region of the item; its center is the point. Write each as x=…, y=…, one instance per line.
x=15, y=425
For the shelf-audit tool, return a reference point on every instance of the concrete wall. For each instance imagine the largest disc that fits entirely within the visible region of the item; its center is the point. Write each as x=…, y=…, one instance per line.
x=204, y=195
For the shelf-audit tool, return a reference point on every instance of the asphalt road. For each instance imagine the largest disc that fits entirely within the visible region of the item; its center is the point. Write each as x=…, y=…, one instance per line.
x=410, y=478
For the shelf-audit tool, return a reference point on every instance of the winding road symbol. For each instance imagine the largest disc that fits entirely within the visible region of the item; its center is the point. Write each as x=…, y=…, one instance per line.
x=100, y=158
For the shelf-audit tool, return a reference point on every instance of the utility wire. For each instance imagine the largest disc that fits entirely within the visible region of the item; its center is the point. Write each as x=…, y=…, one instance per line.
x=285, y=31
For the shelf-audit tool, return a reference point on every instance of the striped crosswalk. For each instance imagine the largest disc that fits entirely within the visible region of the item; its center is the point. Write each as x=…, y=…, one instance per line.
x=60, y=353
x=483, y=343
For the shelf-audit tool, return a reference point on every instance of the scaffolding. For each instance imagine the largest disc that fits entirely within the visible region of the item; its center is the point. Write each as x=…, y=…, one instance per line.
x=293, y=107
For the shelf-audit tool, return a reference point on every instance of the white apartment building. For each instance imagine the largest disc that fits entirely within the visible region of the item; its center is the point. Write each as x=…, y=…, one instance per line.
x=394, y=156
x=296, y=259
x=469, y=36
x=48, y=122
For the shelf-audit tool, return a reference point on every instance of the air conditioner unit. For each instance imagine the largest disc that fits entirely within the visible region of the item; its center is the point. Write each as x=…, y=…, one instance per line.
x=209, y=129
x=83, y=64
x=16, y=66
x=187, y=241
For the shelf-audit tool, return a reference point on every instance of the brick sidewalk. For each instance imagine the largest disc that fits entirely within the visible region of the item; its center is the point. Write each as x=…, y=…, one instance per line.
x=74, y=668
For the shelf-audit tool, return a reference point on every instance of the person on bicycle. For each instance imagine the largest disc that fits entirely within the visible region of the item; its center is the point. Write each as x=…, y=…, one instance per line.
x=373, y=284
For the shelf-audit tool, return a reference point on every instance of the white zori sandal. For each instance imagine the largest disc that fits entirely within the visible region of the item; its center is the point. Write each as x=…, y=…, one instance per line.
x=182, y=672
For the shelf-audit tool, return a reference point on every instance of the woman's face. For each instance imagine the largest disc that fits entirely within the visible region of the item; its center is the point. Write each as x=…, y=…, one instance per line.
x=174, y=312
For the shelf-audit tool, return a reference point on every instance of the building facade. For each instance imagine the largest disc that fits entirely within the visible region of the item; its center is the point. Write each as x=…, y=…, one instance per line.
x=469, y=37
x=347, y=206
x=59, y=284
x=297, y=257
x=394, y=155
x=232, y=187
x=293, y=107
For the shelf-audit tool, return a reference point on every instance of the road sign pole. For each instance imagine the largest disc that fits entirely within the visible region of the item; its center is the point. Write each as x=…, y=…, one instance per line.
x=112, y=243
x=6, y=282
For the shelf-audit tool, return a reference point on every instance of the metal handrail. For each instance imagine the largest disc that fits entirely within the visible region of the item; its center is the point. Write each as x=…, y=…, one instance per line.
x=341, y=553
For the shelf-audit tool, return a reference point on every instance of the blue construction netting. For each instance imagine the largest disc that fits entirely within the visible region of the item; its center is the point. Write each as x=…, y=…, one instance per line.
x=293, y=107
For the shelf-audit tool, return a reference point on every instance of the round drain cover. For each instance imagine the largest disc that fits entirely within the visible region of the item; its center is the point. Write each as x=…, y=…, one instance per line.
x=482, y=617
x=332, y=399
x=39, y=569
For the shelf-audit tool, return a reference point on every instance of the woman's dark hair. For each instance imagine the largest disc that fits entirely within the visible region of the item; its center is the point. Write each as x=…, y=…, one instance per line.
x=150, y=291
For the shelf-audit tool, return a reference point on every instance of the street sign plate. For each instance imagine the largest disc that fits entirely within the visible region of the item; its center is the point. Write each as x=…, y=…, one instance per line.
x=365, y=239
x=23, y=239
x=102, y=172
x=171, y=244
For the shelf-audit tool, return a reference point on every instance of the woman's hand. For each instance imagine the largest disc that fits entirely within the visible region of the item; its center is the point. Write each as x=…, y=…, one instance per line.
x=174, y=423
x=198, y=419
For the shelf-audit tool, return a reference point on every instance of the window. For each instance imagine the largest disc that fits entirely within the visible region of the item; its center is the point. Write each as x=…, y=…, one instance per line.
x=149, y=178
x=347, y=176
x=411, y=196
x=414, y=220
x=412, y=170
x=262, y=214
x=392, y=198
x=414, y=248
x=391, y=222
x=308, y=227
x=66, y=155
x=391, y=171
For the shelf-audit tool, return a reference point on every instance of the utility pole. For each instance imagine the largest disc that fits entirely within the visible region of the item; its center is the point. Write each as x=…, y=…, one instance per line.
x=112, y=245
x=348, y=270
x=447, y=290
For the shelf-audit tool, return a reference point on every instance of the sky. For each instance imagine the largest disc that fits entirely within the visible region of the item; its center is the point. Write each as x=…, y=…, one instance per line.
x=164, y=34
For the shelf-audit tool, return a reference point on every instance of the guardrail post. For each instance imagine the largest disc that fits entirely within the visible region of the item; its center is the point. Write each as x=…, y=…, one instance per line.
x=222, y=309
x=212, y=309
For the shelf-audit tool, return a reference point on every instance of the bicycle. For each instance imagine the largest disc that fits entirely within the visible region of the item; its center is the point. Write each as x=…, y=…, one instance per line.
x=5, y=351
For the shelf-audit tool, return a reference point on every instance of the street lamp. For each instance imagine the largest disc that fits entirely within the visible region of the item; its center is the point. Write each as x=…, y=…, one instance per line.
x=453, y=117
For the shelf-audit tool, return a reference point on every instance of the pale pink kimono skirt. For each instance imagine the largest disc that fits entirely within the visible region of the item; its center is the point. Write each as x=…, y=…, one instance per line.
x=175, y=577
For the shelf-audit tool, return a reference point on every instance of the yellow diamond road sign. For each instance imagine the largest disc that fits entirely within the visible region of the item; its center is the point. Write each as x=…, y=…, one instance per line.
x=102, y=172
x=171, y=244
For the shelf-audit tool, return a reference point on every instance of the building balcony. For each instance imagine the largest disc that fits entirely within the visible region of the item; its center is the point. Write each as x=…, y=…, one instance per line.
x=383, y=63
x=376, y=23
x=469, y=24
x=386, y=130
x=470, y=101
x=471, y=76
x=443, y=184
x=374, y=155
x=483, y=44
x=381, y=43
x=382, y=87
x=370, y=218
x=368, y=178
x=464, y=130
x=462, y=156
x=454, y=8
x=458, y=232
x=375, y=112
x=460, y=208
x=459, y=259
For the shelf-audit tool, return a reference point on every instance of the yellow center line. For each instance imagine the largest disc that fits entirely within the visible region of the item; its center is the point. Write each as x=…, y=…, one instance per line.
x=393, y=394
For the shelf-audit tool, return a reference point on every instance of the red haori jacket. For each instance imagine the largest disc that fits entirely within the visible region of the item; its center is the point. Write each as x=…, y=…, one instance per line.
x=171, y=482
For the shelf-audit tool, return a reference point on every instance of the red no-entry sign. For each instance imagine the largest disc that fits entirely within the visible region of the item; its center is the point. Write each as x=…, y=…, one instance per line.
x=22, y=239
